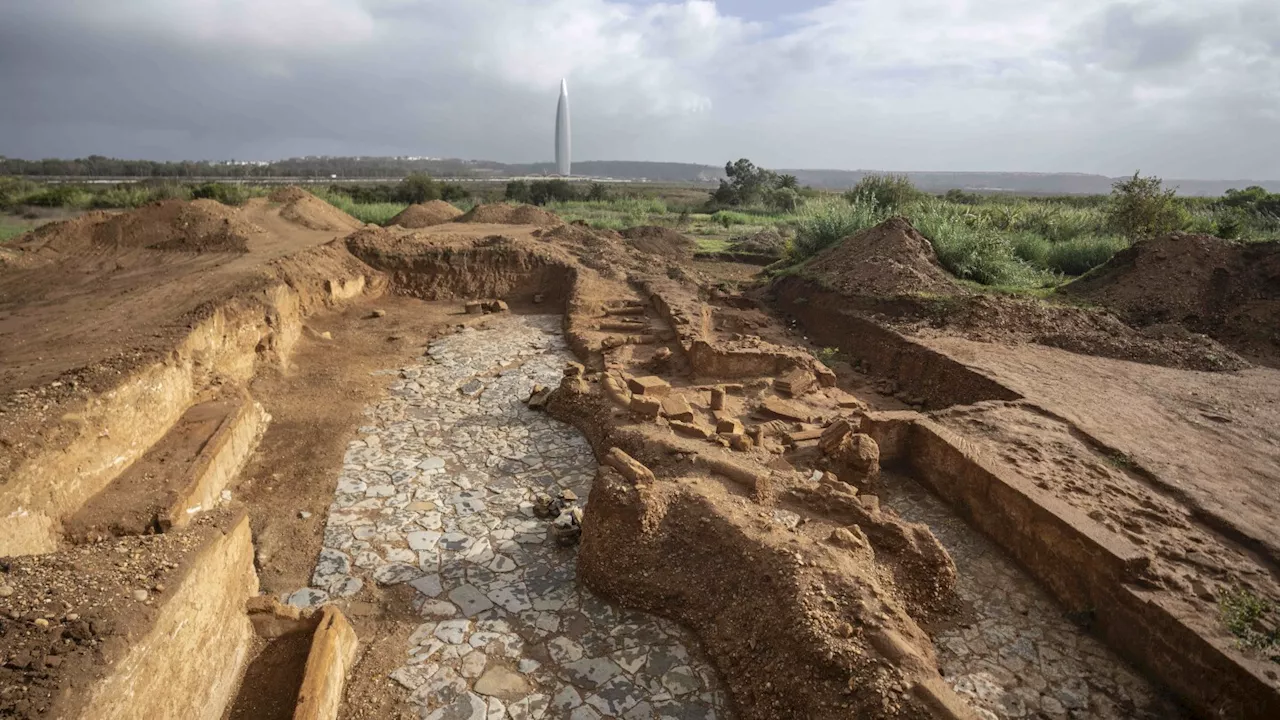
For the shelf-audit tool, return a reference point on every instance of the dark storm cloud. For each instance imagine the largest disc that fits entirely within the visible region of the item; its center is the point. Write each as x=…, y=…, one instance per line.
x=1091, y=85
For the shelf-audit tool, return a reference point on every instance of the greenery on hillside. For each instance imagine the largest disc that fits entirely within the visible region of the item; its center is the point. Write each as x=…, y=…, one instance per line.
x=995, y=240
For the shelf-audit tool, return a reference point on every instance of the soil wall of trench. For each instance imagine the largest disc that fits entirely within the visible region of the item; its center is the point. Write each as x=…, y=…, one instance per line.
x=91, y=444
x=1088, y=569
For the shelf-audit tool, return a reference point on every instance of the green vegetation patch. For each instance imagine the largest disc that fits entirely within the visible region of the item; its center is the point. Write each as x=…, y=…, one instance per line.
x=1252, y=620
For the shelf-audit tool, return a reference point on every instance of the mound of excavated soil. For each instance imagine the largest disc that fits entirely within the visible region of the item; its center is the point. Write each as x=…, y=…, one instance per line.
x=1229, y=291
x=200, y=226
x=309, y=211
x=1082, y=330
x=661, y=241
x=287, y=194
x=889, y=259
x=765, y=242
x=504, y=214
x=436, y=212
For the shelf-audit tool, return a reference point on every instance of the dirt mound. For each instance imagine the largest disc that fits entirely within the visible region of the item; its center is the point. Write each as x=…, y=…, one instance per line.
x=287, y=194
x=309, y=211
x=660, y=241
x=504, y=214
x=1229, y=291
x=765, y=242
x=200, y=226
x=889, y=259
x=436, y=212
x=1086, y=331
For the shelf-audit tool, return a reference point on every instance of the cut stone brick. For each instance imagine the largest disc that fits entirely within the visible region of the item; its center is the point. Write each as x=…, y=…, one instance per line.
x=693, y=430
x=675, y=407
x=729, y=426
x=630, y=468
x=652, y=386
x=647, y=408
x=777, y=407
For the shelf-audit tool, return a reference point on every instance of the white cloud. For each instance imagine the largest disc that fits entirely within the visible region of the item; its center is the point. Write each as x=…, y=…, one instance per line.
x=273, y=25
x=1179, y=87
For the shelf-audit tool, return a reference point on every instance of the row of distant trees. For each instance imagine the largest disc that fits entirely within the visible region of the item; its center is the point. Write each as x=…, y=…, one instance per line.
x=541, y=192
x=343, y=167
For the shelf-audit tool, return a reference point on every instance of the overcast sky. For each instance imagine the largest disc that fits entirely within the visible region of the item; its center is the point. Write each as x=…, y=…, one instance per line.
x=1180, y=88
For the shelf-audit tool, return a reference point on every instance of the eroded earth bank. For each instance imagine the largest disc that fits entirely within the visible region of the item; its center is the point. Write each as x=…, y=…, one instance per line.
x=265, y=462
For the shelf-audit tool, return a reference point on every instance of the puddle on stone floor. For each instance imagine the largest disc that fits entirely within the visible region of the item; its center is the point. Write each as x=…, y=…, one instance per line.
x=437, y=493
x=1017, y=655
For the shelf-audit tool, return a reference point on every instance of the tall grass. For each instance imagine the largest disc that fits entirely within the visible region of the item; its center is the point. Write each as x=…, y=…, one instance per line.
x=823, y=223
x=377, y=213
x=11, y=230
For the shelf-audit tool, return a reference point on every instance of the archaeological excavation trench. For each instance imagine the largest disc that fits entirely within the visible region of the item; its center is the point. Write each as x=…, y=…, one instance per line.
x=482, y=471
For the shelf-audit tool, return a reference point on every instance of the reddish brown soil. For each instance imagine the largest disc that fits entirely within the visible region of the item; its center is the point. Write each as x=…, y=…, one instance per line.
x=303, y=208
x=136, y=502
x=72, y=613
x=1207, y=440
x=504, y=214
x=269, y=689
x=296, y=465
x=1228, y=290
x=436, y=212
x=889, y=259
x=657, y=240
x=1192, y=477
x=79, y=323
x=202, y=226
x=1087, y=331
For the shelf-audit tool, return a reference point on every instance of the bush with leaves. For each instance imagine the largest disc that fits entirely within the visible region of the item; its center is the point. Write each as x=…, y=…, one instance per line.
x=1141, y=207
x=542, y=192
x=598, y=192
x=960, y=197
x=784, y=199
x=891, y=192
x=417, y=188
x=751, y=185
x=518, y=191
x=225, y=193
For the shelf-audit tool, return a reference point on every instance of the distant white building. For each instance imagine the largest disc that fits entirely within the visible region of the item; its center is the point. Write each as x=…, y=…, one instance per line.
x=563, y=164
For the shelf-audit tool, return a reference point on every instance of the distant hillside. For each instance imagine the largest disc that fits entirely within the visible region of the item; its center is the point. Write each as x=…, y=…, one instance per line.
x=368, y=168
x=1018, y=183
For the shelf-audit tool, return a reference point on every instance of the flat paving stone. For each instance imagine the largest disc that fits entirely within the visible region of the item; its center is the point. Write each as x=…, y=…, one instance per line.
x=437, y=493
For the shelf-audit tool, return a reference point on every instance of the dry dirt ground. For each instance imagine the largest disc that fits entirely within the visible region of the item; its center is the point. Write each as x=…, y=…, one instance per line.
x=741, y=553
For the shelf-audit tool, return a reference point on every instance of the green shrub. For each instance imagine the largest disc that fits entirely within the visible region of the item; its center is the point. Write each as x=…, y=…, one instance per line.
x=961, y=197
x=417, y=188
x=821, y=224
x=379, y=213
x=1142, y=208
x=67, y=196
x=892, y=192
x=1252, y=620
x=729, y=218
x=121, y=196
x=226, y=193
x=1079, y=256
x=1067, y=257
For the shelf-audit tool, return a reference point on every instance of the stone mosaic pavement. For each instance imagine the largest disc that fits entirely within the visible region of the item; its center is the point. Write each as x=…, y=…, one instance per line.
x=1018, y=656
x=437, y=493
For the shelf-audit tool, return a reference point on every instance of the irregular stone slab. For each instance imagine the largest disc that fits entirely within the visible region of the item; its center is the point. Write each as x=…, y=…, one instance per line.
x=456, y=476
x=501, y=682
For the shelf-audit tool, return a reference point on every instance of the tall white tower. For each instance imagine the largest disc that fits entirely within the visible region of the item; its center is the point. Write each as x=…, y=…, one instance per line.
x=563, y=165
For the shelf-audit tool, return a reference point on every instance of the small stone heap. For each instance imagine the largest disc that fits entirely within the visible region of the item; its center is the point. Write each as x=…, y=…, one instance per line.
x=855, y=457
x=566, y=528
